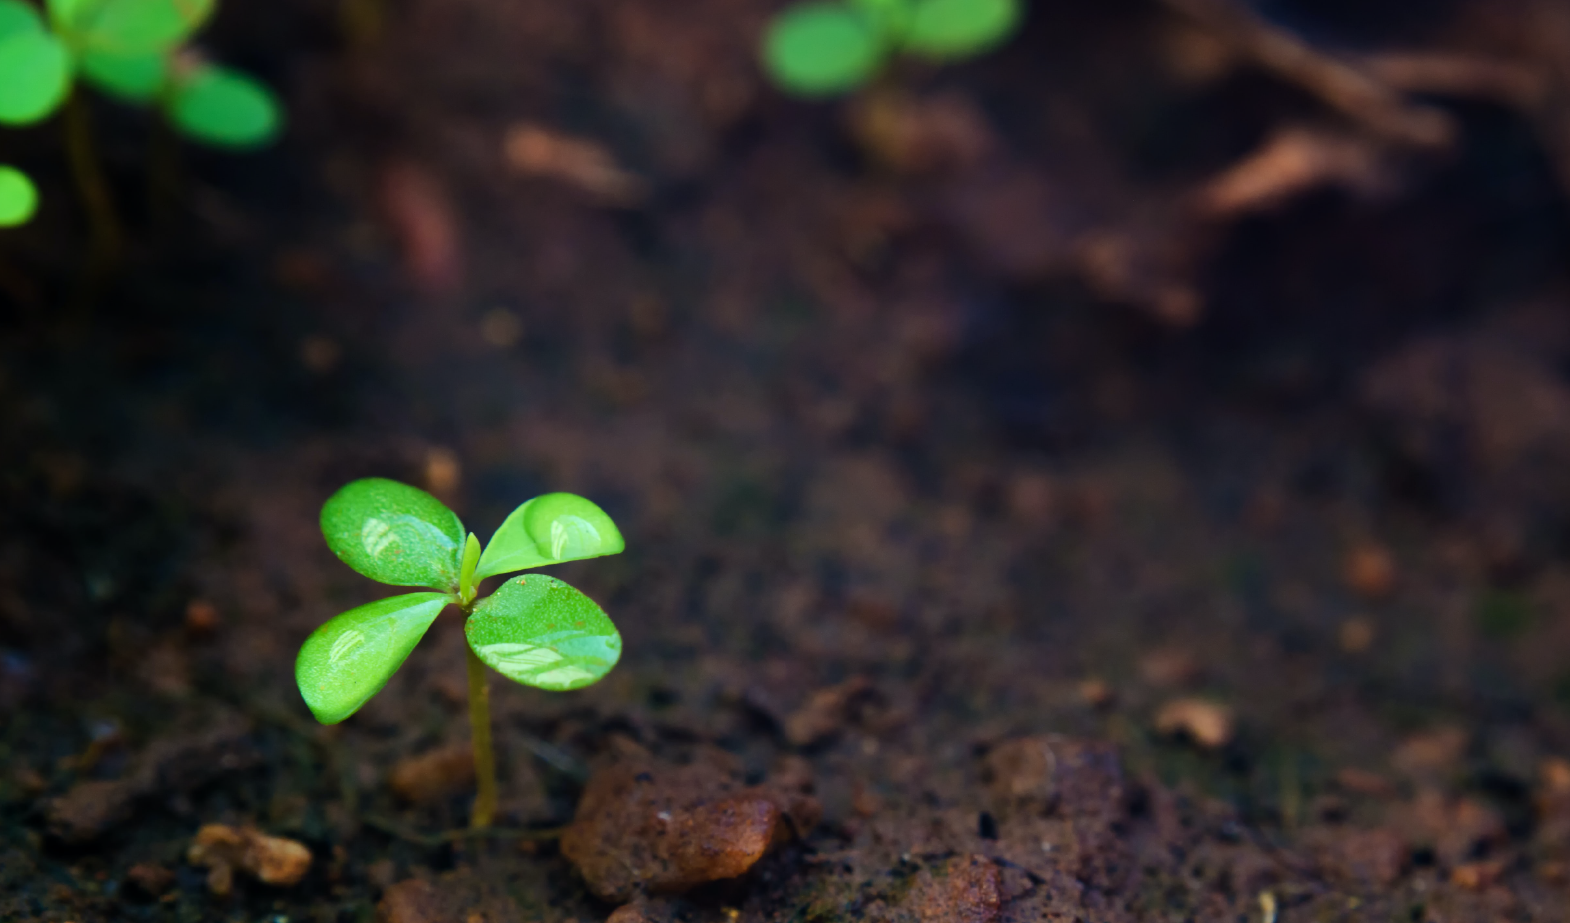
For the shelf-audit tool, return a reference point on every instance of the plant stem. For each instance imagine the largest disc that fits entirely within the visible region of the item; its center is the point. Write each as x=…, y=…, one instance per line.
x=480, y=729
x=91, y=183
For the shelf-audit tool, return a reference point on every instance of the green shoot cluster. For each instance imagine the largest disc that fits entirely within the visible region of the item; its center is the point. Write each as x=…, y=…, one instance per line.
x=132, y=50
x=827, y=48
x=534, y=630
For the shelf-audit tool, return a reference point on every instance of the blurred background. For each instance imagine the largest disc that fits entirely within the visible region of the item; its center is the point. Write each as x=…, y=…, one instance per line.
x=1185, y=378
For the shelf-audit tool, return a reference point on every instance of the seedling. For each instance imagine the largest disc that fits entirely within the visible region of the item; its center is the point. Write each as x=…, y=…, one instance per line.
x=534, y=630
x=134, y=51
x=829, y=48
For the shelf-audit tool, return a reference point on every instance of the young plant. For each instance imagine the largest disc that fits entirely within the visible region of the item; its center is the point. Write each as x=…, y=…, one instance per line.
x=134, y=51
x=534, y=630
x=829, y=47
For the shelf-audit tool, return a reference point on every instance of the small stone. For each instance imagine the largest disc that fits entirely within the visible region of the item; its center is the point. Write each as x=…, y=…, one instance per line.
x=1364, y=782
x=269, y=859
x=434, y=775
x=90, y=808
x=1432, y=753
x=1170, y=668
x=149, y=878
x=453, y=897
x=1477, y=876
x=1209, y=724
x=629, y=913
x=644, y=826
x=1370, y=571
x=1377, y=856
x=967, y=891
x=825, y=712
x=1073, y=777
x=1096, y=692
x=201, y=617
x=443, y=473
x=1356, y=635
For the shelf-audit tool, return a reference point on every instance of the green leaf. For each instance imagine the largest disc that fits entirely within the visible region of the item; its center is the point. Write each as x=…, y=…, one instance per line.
x=819, y=49
x=394, y=533
x=550, y=529
x=538, y=631
x=137, y=78
x=944, y=29
x=17, y=16
x=225, y=108
x=129, y=26
x=349, y=659
x=35, y=75
x=18, y=197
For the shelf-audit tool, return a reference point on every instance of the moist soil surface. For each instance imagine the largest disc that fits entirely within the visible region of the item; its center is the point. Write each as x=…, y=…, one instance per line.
x=1015, y=544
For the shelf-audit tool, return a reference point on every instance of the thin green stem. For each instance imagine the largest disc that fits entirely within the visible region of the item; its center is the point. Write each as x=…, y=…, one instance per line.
x=91, y=183
x=480, y=728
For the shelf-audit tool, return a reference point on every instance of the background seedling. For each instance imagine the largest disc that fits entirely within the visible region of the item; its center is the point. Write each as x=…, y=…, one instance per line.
x=534, y=630
x=828, y=48
x=134, y=51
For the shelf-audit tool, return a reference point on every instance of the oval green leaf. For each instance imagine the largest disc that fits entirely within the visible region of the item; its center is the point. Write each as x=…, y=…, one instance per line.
x=540, y=632
x=17, y=16
x=550, y=529
x=394, y=533
x=820, y=49
x=18, y=197
x=35, y=75
x=945, y=29
x=129, y=26
x=136, y=78
x=225, y=108
x=349, y=659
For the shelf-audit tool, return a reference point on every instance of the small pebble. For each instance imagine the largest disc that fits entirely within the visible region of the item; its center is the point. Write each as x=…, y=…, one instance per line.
x=1209, y=724
x=269, y=859
x=1370, y=571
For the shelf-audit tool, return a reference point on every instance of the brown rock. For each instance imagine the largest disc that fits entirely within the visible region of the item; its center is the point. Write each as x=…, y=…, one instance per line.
x=167, y=766
x=1376, y=856
x=629, y=913
x=149, y=878
x=269, y=859
x=966, y=889
x=1170, y=668
x=1477, y=876
x=1431, y=754
x=825, y=712
x=454, y=897
x=433, y=775
x=1207, y=723
x=1364, y=782
x=90, y=808
x=643, y=826
x=1072, y=777
x=1370, y=571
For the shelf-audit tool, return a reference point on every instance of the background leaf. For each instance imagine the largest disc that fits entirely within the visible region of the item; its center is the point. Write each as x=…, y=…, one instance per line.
x=550, y=529
x=35, y=75
x=225, y=107
x=819, y=49
x=129, y=26
x=394, y=533
x=538, y=631
x=958, y=28
x=18, y=197
x=134, y=78
x=350, y=658
x=17, y=16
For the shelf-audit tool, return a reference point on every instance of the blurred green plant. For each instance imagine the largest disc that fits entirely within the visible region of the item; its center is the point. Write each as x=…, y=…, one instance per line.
x=134, y=51
x=825, y=48
x=534, y=630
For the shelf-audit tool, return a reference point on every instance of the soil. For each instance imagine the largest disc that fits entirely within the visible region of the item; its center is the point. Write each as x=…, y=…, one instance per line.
x=1087, y=527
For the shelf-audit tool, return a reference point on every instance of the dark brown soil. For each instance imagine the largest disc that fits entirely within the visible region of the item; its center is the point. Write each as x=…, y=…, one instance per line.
x=1091, y=528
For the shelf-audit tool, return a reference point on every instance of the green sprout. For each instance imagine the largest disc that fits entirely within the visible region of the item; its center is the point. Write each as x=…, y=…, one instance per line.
x=534, y=630
x=828, y=47
x=134, y=51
